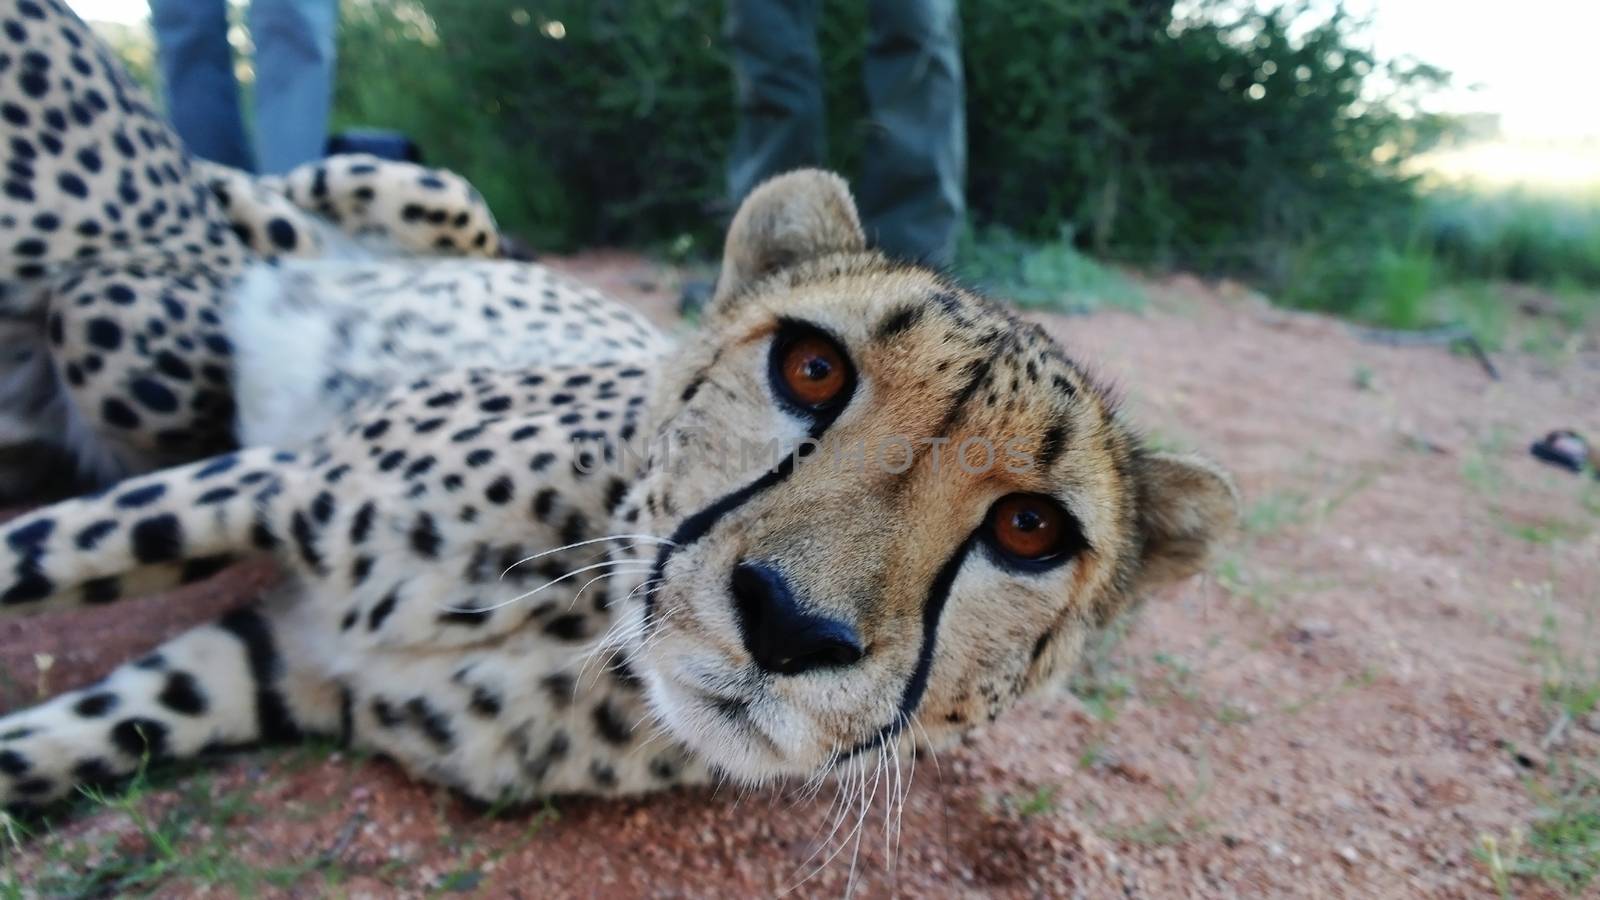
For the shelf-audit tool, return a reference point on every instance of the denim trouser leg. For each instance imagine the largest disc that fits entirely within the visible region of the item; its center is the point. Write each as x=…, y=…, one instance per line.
x=778, y=90
x=197, y=71
x=913, y=180
x=294, y=79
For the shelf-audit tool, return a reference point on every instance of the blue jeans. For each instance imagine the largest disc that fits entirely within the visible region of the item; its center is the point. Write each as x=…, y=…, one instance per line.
x=912, y=188
x=294, y=42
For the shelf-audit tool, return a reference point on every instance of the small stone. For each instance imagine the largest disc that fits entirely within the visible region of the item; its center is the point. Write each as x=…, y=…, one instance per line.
x=1349, y=855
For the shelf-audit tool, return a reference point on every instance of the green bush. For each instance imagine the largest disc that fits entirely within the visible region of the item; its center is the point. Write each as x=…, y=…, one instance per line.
x=1514, y=235
x=1220, y=146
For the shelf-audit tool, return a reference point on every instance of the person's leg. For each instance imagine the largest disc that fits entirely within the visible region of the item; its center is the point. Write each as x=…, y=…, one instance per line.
x=294, y=79
x=197, y=72
x=913, y=184
x=778, y=89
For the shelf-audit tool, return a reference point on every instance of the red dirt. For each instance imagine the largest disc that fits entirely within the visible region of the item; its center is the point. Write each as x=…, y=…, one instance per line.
x=1337, y=712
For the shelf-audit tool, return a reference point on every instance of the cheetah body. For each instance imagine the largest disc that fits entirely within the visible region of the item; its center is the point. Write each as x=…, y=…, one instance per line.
x=523, y=568
x=132, y=276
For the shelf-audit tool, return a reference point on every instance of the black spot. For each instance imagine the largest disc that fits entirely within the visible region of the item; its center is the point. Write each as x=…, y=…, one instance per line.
x=104, y=333
x=559, y=686
x=435, y=725
x=499, y=491
x=615, y=491
x=72, y=185
x=525, y=432
x=691, y=390
x=420, y=467
x=479, y=457
x=173, y=366
x=495, y=404
x=305, y=538
x=120, y=294
x=425, y=538
x=385, y=714
x=216, y=495
x=361, y=525
x=217, y=466
x=602, y=773
x=117, y=413
x=96, y=705
x=204, y=567
x=543, y=503
x=375, y=430
x=143, y=496
x=349, y=620
x=182, y=694
x=140, y=738
x=663, y=768
x=575, y=528
x=541, y=461
x=613, y=729
x=157, y=539
x=391, y=460
x=444, y=398
x=360, y=568
x=896, y=322
x=382, y=610
x=29, y=538
x=33, y=787
x=555, y=751
x=13, y=763
x=92, y=771
x=1051, y=445
x=484, y=702
x=282, y=234
x=322, y=507
x=568, y=627
x=273, y=720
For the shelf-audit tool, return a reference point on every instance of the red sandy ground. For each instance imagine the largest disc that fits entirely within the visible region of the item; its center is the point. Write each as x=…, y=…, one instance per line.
x=1338, y=711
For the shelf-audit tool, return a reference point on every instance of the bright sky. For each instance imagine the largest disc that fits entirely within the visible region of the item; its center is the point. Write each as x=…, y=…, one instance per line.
x=1534, y=61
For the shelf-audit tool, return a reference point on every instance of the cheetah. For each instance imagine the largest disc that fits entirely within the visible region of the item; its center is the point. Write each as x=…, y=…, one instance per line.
x=149, y=301
x=567, y=579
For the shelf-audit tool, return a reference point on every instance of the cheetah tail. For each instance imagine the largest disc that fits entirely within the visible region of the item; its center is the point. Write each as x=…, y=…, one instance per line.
x=143, y=535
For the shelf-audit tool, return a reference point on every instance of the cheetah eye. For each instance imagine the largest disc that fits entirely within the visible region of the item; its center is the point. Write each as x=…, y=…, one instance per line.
x=809, y=372
x=1033, y=530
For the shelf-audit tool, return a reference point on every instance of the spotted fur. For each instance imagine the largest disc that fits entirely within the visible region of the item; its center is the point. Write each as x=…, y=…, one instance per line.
x=516, y=579
x=128, y=270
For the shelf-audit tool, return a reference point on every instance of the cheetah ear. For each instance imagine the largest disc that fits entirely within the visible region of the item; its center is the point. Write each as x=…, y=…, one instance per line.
x=1187, y=504
x=788, y=219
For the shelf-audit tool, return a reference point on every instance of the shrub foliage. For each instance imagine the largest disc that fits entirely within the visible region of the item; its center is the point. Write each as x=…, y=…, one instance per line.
x=1225, y=141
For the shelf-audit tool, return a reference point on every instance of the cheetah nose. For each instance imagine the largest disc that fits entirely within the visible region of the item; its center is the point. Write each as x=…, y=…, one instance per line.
x=782, y=637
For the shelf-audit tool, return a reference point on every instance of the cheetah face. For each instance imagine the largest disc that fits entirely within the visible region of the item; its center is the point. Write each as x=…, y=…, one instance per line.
x=893, y=508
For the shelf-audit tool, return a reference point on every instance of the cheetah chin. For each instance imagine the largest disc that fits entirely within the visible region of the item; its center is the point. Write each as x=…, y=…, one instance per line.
x=530, y=546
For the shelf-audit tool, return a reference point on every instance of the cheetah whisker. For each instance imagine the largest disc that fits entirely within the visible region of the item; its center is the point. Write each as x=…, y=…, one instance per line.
x=858, y=834
x=643, y=567
x=599, y=540
x=852, y=785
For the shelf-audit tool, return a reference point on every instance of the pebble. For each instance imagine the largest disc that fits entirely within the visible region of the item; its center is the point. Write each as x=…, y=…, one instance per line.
x=1349, y=855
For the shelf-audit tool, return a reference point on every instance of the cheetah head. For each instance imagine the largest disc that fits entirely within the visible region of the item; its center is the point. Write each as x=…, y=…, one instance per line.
x=893, y=508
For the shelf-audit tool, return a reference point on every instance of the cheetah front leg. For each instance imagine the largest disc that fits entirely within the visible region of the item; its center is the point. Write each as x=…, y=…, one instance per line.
x=239, y=681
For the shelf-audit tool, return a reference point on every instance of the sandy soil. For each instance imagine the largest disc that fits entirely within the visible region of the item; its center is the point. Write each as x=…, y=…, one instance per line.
x=1344, y=708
